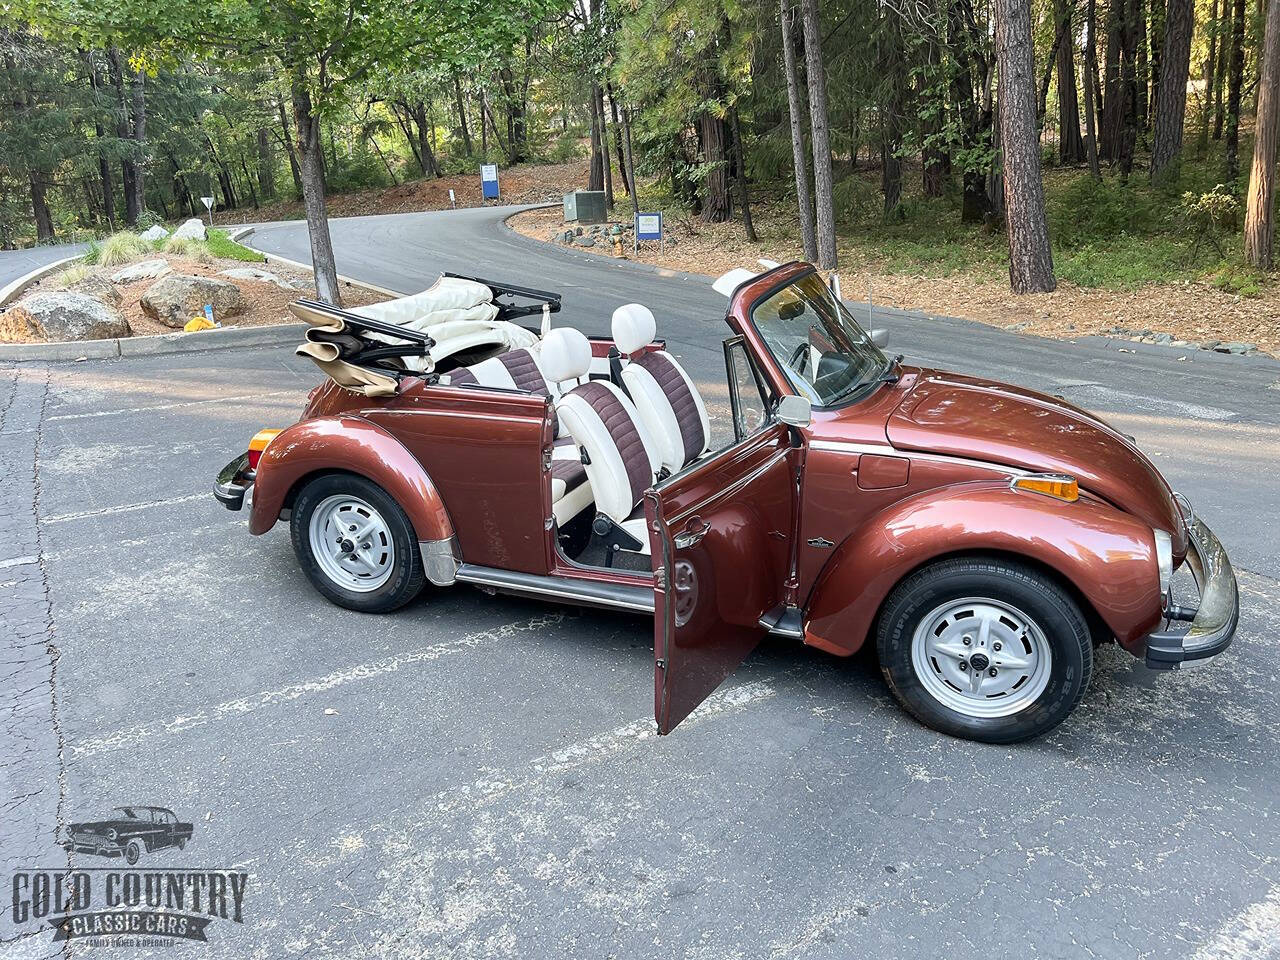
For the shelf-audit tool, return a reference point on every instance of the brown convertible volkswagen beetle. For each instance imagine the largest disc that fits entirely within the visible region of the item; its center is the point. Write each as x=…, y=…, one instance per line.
x=983, y=537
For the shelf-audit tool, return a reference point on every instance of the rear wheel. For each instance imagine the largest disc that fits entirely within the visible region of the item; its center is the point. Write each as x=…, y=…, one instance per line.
x=356, y=544
x=986, y=649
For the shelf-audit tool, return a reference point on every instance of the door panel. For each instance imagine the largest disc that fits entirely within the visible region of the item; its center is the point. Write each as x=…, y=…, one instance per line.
x=720, y=534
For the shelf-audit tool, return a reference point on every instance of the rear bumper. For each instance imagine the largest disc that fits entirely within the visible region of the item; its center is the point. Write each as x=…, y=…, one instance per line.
x=1215, y=621
x=234, y=480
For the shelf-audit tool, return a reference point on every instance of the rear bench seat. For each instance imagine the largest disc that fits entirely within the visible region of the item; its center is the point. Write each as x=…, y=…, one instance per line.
x=519, y=370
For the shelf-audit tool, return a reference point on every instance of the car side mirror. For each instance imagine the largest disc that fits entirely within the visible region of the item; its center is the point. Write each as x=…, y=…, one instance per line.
x=880, y=337
x=795, y=411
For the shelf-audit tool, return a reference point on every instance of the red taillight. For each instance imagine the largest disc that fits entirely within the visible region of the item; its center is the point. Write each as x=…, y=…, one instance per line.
x=259, y=443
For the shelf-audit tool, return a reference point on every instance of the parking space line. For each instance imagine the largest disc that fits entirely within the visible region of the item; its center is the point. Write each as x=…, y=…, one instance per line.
x=18, y=562
x=171, y=406
x=124, y=508
x=364, y=671
x=1252, y=934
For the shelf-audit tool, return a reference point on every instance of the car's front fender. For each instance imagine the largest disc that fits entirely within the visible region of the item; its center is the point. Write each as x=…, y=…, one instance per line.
x=1106, y=554
x=353, y=445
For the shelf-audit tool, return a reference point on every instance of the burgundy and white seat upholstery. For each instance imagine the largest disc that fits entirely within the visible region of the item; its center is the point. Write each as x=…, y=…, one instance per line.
x=615, y=447
x=669, y=404
x=518, y=370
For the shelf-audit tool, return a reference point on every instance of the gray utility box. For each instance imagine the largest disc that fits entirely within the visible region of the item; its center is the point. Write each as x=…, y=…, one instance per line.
x=585, y=206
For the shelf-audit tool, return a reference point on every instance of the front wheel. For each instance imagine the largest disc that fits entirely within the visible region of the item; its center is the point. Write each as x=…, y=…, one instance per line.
x=985, y=649
x=356, y=544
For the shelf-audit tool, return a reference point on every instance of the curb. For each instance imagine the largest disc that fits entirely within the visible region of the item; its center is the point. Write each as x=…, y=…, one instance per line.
x=164, y=343
x=15, y=288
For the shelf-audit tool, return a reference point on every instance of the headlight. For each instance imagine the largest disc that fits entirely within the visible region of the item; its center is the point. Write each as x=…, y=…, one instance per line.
x=1164, y=559
x=111, y=834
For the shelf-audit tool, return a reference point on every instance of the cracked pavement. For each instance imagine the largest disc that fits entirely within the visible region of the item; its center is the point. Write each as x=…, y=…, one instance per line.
x=478, y=776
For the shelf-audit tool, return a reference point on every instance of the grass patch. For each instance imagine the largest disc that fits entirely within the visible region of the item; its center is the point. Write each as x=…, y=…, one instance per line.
x=118, y=249
x=72, y=275
x=220, y=245
x=197, y=250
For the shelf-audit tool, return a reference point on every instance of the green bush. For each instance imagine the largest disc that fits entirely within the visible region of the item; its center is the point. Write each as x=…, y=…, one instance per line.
x=197, y=250
x=220, y=245
x=1084, y=210
x=121, y=248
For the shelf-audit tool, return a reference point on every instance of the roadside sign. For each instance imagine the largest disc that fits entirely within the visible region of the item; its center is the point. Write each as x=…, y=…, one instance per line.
x=489, y=180
x=452, y=200
x=208, y=205
x=648, y=227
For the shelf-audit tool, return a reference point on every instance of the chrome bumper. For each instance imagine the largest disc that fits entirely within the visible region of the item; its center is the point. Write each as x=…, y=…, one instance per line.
x=1215, y=620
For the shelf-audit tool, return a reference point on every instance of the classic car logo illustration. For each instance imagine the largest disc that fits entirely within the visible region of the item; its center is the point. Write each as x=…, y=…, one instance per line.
x=129, y=832
x=127, y=905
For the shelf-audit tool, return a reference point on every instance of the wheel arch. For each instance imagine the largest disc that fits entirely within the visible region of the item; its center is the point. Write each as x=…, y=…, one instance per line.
x=1103, y=557
x=350, y=445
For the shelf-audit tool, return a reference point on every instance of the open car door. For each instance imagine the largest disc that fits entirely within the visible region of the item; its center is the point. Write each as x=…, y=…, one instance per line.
x=721, y=534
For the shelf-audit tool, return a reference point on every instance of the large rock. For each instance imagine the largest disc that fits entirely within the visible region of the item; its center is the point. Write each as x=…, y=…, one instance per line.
x=96, y=286
x=154, y=233
x=176, y=298
x=142, y=270
x=192, y=229
x=68, y=316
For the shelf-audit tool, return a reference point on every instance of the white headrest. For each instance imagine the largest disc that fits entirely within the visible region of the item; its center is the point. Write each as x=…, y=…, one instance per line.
x=565, y=355
x=633, y=327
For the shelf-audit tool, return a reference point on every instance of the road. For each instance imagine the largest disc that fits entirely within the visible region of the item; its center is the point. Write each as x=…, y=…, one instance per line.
x=477, y=776
x=15, y=263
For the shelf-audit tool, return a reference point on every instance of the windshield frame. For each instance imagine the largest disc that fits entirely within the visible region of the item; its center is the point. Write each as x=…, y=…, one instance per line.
x=855, y=393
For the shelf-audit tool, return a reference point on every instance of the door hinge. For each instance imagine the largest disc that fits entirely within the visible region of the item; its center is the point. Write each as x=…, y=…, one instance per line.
x=660, y=663
x=660, y=578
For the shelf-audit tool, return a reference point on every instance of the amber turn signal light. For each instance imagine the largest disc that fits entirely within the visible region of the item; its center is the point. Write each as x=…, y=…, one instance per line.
x=1056, y=485
x=258, y=444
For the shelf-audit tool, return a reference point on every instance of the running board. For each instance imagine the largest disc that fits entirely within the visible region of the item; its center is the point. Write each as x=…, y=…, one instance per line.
x=783, y=621
x=617, y=595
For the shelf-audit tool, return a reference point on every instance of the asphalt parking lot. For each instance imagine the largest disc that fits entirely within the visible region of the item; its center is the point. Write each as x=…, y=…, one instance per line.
x=478, y=776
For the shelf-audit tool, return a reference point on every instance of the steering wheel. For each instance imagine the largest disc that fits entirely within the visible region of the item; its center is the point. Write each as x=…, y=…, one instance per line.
x=800, y=357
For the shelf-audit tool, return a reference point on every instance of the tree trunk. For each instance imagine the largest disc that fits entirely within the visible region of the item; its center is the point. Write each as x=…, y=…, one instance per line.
x=1090, y=95
x=740, y=165
x=1259, y=222
x=624, y=168
x=799, y=158
x=40, y=206
x=290, y=147
x=1210, y=65
x=1234, y=84
x=1030, y=256
x=631, y=166
x=595, y=176
x=1141, y=72
x=99, y=133
x=822, y=178
x=311, y=150
x=1220, y=74
x=1111, y=120
x=1171, y=108
x=973, y=71
x=717, y=206
x=604, y=149
x=892, y=68
x=1127, y=114
x=1159, y=28
x=266, y=165
x=139, y=114
x=462, y=115
x=1070, y=145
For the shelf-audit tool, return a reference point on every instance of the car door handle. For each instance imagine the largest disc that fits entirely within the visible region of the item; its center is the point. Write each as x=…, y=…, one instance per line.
x=693, y=533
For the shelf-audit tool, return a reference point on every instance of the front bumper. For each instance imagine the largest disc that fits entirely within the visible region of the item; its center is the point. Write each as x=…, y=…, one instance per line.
x=1215, y=621
x=233, y=482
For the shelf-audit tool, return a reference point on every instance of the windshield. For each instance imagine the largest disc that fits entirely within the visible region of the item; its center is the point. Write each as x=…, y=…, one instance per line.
x=824, y=353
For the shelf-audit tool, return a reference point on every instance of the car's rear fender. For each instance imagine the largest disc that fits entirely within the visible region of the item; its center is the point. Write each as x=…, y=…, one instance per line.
x=348, y=444
x=1106, y=555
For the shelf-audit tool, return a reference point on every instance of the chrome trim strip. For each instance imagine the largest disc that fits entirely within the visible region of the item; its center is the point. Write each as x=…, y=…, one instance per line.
x=616, y=595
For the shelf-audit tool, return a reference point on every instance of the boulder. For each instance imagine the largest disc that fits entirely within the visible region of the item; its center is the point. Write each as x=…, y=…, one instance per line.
x=96, y=286
x=253, y=273
x=154, y=233
x=142, y=270
x=192, y=229
x=587, y=241
x=68, y=316
x=176, y=298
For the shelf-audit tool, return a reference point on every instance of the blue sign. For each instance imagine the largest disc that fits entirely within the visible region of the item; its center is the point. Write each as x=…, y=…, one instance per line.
x=489, y=180
x=649, y=226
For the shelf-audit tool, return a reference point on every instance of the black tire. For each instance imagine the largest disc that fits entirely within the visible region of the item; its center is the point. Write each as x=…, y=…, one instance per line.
x=408, y=574
x=133, y=852
x=1038, y=596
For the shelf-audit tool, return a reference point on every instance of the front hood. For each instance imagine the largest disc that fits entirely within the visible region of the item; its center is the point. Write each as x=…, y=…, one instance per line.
x=997, y=423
